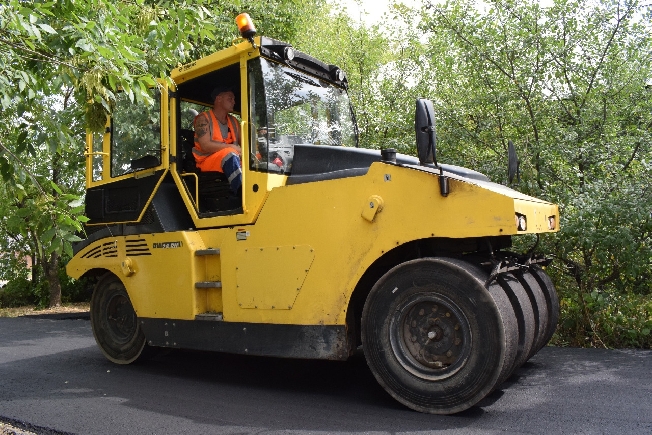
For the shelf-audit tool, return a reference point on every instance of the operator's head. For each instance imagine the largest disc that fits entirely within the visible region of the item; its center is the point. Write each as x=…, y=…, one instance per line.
x=223, y=98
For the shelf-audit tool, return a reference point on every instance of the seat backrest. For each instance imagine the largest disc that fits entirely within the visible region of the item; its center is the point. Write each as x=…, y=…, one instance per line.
x=187, y=143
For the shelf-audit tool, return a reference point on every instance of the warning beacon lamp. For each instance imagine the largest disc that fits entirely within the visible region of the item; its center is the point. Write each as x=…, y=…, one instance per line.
x=246, y=26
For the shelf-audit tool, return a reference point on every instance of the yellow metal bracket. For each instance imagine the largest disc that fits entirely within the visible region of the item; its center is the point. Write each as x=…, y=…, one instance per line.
x=144, y=174
x=372, y=207
x=128, y=267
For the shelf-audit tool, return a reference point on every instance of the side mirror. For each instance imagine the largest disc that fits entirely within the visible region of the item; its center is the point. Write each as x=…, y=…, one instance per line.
x=424, y=125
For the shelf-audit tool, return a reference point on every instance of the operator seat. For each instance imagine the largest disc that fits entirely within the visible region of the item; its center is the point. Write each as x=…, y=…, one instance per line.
x=214, y=189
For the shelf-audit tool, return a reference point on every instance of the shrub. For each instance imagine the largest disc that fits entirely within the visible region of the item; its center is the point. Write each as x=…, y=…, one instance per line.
x=616, y=320
x=74, y=290
x=21, y=291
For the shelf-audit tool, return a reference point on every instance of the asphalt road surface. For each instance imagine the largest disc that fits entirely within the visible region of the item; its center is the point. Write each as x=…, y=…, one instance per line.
x=54, y=380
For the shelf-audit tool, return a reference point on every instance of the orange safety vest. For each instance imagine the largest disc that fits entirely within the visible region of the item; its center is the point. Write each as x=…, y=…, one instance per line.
x=213, y=161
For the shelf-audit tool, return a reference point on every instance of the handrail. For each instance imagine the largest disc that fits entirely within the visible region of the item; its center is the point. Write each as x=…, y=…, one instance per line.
x=196, y=199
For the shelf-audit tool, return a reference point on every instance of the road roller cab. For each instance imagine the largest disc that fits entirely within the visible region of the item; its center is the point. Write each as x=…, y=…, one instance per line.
x=326, y=247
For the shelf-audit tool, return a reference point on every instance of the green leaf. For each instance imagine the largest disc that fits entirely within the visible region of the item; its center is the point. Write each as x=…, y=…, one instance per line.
x=84, y=45
x=36, y=32
x=15, y=223
x=73, y=238
x=20, y=141
x=47, y=236
x=76, y=202
x=56, y=188
x=47, y=28
x=68, y=250
x=23, y=212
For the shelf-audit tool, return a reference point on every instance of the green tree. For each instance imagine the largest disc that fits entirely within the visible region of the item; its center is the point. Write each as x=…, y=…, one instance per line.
x=386, y=69
x=567, y=85
x=359, y=50
x=60, y=65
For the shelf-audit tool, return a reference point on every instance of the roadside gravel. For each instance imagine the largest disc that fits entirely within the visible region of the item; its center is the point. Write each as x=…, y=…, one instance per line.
x=35, y=311
x=7, y=429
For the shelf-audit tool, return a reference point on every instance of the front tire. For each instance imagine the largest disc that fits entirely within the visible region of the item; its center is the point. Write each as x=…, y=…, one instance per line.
x=115, y=323
x=434, y=337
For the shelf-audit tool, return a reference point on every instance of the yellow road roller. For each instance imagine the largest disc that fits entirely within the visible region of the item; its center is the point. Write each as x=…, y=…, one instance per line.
x=321, y=248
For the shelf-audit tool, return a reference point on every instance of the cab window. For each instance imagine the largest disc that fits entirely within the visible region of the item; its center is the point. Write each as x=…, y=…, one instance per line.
x=135, y=135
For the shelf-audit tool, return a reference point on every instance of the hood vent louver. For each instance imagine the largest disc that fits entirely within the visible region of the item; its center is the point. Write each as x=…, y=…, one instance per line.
x=136, y=247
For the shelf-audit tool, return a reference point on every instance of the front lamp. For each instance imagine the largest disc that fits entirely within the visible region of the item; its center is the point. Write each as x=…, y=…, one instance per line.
x=288, y=53
x=520, y=221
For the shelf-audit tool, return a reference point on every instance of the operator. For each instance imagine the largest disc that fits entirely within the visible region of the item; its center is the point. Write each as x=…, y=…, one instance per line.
x=217, y=138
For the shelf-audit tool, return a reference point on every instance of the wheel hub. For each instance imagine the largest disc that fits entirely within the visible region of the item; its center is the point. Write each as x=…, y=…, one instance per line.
x=430, y=336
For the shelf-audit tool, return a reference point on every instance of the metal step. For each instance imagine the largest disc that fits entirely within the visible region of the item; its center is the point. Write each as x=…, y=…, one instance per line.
x=208, y=284
x=209, y=251
x=215, y=317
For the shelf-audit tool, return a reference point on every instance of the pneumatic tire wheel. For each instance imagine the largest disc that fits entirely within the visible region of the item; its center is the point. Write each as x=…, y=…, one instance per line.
x=114, y=321
x=433, y=336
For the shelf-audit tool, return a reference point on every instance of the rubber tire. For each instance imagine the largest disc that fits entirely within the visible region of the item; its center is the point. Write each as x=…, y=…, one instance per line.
x=524, y=317
x=552, y=300
x=115, y=324
x=540, y=307
x=457, y=284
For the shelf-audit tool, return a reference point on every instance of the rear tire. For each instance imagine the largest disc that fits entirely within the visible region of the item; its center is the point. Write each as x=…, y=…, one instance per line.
x=114, y=321
x=434, y=337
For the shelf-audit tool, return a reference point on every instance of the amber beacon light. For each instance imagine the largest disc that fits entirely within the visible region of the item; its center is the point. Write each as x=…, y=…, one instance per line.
x=245, y=26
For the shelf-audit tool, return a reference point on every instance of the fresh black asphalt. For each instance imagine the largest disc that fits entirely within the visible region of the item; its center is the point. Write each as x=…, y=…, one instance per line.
x=54, y=380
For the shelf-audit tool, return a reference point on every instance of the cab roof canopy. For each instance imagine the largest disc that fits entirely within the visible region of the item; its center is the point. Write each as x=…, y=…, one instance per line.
x=198, y=90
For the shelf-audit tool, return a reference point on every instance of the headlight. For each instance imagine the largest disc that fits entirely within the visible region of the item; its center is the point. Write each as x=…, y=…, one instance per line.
x=289, y=53
x=521, y=222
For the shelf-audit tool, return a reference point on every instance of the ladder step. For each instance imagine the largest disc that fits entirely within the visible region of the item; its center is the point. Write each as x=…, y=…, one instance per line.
x=208, y=284
x=216, y=317
x=209, y=251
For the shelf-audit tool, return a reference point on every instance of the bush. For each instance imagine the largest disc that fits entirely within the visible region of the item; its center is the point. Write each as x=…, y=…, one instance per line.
x=21, y=292
x=615, y=320
x=74, y=290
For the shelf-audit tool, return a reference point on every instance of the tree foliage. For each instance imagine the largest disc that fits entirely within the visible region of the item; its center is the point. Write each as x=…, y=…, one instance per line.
x=571, y=86
x=61, y=63
x=567, y=83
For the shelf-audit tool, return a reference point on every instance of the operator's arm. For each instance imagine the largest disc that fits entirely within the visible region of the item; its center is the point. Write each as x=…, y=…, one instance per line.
x=208, y=145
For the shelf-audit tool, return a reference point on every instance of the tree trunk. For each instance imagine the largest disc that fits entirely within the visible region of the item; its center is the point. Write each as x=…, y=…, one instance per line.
x=52, y=263
x=51, y=270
